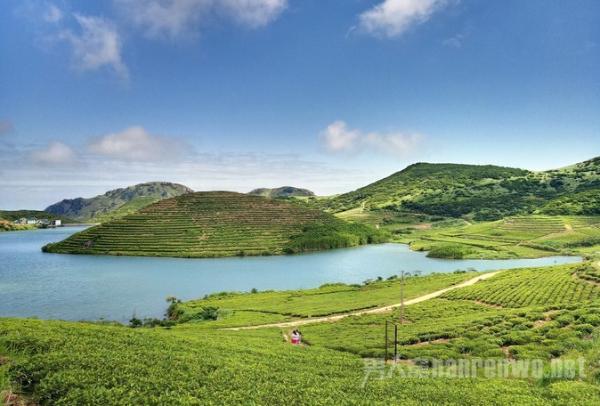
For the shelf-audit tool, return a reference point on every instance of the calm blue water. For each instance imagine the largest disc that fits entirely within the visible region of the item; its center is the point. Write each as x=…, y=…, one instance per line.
x=73, y=287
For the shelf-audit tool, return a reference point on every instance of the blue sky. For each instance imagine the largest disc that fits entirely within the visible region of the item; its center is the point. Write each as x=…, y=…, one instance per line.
x=328, y=95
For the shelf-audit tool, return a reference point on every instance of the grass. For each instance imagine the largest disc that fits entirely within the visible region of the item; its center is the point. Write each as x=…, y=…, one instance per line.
x=76, y=363
x=54, y=362
x=130, y=207
x=275, y=306
x=513, y=237
x=478, y=192
x=215, y=224
x=558, y=285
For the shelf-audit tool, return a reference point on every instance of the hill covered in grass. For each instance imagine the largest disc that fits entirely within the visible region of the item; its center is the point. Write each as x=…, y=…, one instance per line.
x=116, y=203
x=284, y=191
x=479, y=192
x=214, y=224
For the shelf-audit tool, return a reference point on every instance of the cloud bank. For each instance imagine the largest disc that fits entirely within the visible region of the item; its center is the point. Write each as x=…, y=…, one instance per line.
x=177, y=18
x=337, y=137
x=136, y=144
x=55, y=154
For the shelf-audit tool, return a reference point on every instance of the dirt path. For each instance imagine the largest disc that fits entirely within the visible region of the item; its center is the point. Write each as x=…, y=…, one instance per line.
x=377, y=310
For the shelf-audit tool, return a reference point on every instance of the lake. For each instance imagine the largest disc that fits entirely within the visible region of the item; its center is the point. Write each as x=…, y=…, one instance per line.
x=78, y=287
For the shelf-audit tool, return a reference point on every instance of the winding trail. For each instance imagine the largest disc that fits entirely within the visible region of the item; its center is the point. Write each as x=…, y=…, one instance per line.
x=377, y=310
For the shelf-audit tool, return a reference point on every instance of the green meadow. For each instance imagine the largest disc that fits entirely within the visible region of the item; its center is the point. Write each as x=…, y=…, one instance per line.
x=198, y=361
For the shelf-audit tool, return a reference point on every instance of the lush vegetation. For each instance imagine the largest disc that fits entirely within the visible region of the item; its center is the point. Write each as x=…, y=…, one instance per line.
x=52, y=362
x=10, y=226
x=237, y=308
x=284, y=191
x=116, y=203
x=586, y=203
x=477, y=192
x=556, y=285
x=76, y=363
x=14, y=215
x=512, y=237
x=212, y=224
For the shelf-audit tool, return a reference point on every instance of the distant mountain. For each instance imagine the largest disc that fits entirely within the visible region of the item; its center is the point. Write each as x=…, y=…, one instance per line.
x=117, y=203
x=284, y=191
x=216, y=224
x=481, y=192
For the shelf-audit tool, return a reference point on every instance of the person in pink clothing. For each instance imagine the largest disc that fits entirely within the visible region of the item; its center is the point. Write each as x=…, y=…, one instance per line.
x=296, y=337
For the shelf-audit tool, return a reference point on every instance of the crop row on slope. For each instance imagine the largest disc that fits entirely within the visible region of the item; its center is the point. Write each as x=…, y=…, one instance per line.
x=459, y=329
x=519, y=236
x=242, y=308
x=212, y=224
x=532, y=286
x=73, y=364
x=92, y=209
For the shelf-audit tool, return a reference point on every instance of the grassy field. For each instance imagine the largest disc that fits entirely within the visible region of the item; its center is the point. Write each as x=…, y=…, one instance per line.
x=55, y=362
x=214, y=224
x=274, y=306
x=512, y=237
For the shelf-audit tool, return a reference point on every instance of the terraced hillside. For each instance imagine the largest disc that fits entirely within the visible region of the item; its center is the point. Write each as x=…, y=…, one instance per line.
x=518, y=236
x=116, y=203
x=213, y=224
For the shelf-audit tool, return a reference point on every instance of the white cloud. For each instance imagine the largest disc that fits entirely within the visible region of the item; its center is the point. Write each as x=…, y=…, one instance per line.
x=97, y=45
x=392, y=18
x=52, y=14
x=337, y=137
x=136, y=144
x=55, y=154
x=176, y=18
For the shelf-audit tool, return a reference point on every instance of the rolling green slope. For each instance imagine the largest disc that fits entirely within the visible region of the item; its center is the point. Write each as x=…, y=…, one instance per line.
x=480, y=192
x=116, y=202
x=213, y=224
x=512, y=237
x=65, y=363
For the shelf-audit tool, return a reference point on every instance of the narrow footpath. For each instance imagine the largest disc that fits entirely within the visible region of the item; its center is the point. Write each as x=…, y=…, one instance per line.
x=377, y=310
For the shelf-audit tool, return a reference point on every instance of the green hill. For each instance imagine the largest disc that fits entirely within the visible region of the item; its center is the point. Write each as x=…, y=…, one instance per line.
x=284, y=191
x=13, y=215
x=213, y=224
x=118, y=202
x=481, y=192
